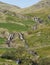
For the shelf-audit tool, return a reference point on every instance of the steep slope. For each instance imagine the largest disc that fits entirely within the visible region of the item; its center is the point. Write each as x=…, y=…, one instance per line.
x=35, y=34
x=5, y=7
x=43, y=4
x=7, y=10
x=9, y=15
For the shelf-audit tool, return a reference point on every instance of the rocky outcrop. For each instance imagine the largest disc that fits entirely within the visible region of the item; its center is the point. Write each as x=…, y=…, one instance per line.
x=34, y=53
x=10, y=38
x=21, y=36
x=35, y=27
x=37, y=20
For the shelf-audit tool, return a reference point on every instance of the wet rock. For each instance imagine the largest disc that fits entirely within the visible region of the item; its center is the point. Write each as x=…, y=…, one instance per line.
x=33, y=53
x=40, y=20
x=8, y=43
x=35, y=27
x=10, y=38
x=21, y=36
x=26, y=44
x=37, y=19
x=18, y=61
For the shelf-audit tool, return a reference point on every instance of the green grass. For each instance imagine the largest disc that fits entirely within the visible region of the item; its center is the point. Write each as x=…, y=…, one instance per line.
x=5, y=61
x=2, y=40
x=19, y=53
x=3, y=50
x=12, y=18
x=34, y=39
x=45, y=61
x=16, y=19
x=23, y=54
x=37, y=39
x=43, y=52
x=13, y=27
x=28, y=22
x=43, y=14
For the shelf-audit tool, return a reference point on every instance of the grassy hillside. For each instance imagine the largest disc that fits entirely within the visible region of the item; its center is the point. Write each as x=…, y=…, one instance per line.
x=43, y=4
x=36, y=34
x=5, y=6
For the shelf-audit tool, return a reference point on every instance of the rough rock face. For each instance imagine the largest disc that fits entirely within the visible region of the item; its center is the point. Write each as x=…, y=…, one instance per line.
x=10, y=38
x=35, y=27
x=21, y=36
x=37, y=19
